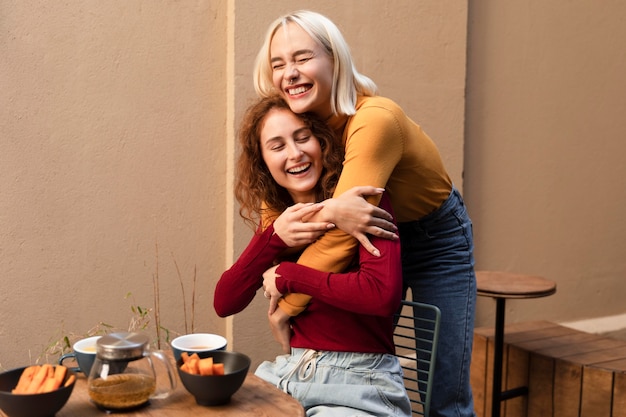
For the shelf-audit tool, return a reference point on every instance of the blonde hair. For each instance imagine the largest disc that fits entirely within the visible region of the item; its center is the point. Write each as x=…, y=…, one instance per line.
x=347, y=81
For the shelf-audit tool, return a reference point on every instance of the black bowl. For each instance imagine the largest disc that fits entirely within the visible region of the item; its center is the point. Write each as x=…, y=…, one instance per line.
x=31, y=405
x=217, y=389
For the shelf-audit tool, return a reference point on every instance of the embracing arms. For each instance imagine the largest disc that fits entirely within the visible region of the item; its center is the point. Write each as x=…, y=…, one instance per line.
x=373, y=147
x=238, y=285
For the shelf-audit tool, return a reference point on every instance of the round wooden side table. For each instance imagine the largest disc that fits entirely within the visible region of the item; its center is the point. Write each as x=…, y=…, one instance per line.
x=501, y=285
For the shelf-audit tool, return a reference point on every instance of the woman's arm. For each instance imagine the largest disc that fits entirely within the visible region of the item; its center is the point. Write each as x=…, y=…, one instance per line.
x=373, y=148
x=296, y=226
x=375, y=288
x=351, y=213
x=238, y=285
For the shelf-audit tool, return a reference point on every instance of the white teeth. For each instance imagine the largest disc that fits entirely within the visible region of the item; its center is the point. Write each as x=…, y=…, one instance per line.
x=299, y=169
x=299, y=90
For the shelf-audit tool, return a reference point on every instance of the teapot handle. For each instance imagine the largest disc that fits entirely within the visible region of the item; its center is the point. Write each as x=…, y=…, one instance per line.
x=158, y=354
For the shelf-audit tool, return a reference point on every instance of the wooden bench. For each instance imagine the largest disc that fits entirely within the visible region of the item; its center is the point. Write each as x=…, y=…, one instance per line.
x=567, y=372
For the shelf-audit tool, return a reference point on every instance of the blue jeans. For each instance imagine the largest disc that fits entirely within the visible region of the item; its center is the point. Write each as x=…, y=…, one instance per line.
x=340, y=384
x=438, y=267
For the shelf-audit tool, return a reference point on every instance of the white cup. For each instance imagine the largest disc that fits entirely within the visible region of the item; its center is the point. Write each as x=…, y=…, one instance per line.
x=197, y=342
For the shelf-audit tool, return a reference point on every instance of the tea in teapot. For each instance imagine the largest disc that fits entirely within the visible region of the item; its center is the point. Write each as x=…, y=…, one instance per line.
x=123, y=375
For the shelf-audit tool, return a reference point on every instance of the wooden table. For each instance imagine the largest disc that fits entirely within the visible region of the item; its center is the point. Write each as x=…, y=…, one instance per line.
x=500, y=286
x=256, y=398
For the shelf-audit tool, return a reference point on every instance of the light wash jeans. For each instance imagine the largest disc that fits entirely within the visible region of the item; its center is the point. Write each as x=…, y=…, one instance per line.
x=340, y=384
x=438, y=267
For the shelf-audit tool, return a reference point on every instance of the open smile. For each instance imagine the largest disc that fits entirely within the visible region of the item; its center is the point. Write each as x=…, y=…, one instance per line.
x=300, y=89
x=299, y=169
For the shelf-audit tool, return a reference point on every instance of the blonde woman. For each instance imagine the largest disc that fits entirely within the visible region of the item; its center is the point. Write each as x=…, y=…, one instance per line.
x=306, y=60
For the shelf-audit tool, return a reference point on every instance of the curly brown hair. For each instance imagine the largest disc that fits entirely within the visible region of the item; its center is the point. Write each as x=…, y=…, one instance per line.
x=255, y=188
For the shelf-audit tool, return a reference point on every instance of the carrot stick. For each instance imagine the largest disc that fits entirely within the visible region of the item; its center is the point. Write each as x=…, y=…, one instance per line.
x=59, y=374
x=49, y=385
x=38, y=379
x=218, y=369
x=192, y=365
x=52, y=383
x=205, y=366
x=70, y=380
x=25, y=379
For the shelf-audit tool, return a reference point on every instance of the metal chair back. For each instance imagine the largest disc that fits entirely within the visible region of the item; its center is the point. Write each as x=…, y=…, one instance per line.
x=416, y=336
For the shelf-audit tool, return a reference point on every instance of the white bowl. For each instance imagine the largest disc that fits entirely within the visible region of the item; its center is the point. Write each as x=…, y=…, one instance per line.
x=197, y=342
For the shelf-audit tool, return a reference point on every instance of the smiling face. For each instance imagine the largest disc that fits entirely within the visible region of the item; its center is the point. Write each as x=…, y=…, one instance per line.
x=292, y=154
x=301, y=70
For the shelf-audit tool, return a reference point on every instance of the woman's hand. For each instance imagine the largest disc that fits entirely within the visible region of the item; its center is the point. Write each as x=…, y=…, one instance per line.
x=354, y=215
x=278, y=319
x=292, y=226
x=281, y=329
x=269, y=288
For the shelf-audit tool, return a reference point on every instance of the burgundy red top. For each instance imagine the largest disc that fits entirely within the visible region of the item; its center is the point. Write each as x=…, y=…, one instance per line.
x=350, y=311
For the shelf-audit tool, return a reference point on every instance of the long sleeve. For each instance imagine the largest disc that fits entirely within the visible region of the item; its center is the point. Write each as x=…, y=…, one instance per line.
x=373, y=147
x=350, y=311
x=238, y=285
x=375, y=288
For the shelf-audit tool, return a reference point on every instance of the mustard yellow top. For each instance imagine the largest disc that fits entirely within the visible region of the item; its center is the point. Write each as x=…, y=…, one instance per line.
x=383, y=148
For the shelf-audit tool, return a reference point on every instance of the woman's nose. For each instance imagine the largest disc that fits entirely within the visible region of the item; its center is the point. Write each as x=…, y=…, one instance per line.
x=295, y=152
x=291, y=72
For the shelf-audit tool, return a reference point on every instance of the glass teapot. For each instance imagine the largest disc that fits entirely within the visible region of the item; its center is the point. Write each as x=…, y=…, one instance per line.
x=123, y=376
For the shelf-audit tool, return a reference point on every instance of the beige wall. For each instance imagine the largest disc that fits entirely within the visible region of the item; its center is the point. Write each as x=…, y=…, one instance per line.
x=117, y=122
x=117, y=127
x=545, y=178
x=113, y=127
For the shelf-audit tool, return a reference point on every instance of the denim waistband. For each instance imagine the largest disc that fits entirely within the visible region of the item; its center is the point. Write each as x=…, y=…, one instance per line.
x=450, y=205
x=346, y=359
